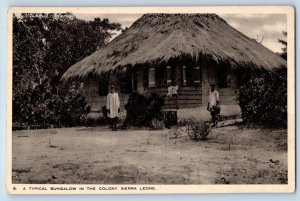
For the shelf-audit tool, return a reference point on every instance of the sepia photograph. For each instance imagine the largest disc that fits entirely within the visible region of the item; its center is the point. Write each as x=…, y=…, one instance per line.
x=154, y=97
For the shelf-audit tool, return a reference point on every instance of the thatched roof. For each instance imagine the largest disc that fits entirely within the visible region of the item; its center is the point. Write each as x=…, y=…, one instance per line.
x=155, y=38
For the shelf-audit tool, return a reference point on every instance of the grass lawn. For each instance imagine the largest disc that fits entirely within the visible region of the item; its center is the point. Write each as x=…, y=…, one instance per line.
x=231, y=155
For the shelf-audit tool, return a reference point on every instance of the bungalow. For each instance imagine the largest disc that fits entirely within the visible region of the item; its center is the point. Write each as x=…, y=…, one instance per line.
x=185, y=50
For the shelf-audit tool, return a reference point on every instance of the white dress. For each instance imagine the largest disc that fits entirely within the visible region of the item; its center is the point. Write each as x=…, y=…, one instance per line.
x=113, y=104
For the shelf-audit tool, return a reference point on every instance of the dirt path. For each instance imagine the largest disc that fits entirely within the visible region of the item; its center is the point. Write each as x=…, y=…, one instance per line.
x=96, y=155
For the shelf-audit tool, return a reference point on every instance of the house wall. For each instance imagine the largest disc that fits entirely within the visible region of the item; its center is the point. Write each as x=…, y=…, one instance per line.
x=95, y=101
x=197, y=96
x=228, y=96
x=188, y=96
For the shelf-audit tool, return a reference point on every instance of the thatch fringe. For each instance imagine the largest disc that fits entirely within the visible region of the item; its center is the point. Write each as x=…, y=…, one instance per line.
x=156, y=38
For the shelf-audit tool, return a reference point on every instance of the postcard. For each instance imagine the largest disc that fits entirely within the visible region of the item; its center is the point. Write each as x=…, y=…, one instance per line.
x=151, y=100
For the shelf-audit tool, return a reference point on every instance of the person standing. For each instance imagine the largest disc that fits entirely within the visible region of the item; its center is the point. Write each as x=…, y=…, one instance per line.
x=213, y=104
x=113, y=107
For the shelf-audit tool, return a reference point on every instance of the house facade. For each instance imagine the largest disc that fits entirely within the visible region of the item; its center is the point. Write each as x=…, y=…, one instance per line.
x=192, y=81
x=185, y=50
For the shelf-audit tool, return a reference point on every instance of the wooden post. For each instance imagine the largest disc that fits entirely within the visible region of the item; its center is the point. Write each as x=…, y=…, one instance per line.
x=151, y=77
x=184, y=75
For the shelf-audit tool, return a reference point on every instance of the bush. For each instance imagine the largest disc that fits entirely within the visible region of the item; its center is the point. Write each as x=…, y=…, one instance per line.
x=135, y=109
x=142, y=109
x=184, y=122
x=157, y=124
x=39, y=107
x=74, y=109
x=198, y=130
x=154, y=104
x=99, y=121
x=175, y=132
x=170, y=118
x=264, y=99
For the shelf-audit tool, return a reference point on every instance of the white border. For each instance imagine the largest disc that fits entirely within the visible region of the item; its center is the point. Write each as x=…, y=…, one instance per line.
x=284, y=188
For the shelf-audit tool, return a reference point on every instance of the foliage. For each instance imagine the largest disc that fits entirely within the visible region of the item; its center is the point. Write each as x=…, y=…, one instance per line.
x=74, y=108
x=141, y=110
x=38, y=106
x=157, y=124
x=170, y=118
x=264, y=99
x=47, y=44
x=198, y=130
x=175, y=132
x=44, y=46
x=136, y=109
x=153, y=108
x=184, y=122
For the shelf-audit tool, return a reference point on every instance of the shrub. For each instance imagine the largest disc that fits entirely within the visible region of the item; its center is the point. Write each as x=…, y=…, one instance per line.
x=74, y=108
x=40, y=107
x=170, y=118
x=98, y=121
x=198, y=130
x=175, y=132
x=153, y=108
x=157, y=124
x=183, y=122
x=135, y=109
x=142, y=109
x=264, y=99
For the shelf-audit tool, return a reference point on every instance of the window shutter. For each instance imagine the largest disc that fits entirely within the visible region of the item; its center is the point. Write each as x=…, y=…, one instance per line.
x=184, y=75
x=152, y=77
x=169, y=75
x=229, y=78
x=197, y=79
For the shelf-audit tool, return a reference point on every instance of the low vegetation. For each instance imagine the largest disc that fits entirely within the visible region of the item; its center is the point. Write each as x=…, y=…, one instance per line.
x=144, y=110
x=264, y=99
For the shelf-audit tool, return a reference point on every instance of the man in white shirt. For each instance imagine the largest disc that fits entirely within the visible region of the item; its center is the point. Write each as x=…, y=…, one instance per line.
x=213, y=104
x=113, y=107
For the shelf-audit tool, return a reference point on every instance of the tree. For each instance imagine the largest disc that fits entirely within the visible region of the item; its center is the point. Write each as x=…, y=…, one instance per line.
x=45, y=45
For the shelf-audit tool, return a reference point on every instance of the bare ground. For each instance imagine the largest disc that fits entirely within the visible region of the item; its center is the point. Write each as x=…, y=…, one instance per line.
x=230, y=155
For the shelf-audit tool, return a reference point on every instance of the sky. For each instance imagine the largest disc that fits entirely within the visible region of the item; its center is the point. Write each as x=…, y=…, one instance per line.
x=267, y=28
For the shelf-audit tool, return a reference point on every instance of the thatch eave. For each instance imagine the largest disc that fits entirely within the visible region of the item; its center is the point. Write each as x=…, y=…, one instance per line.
x=151, y=41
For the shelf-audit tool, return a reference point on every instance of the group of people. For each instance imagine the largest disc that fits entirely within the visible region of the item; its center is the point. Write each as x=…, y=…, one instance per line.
x=113, y=106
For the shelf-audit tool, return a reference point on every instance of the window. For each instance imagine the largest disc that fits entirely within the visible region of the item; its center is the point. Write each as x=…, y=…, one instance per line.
x=189, y=76
x=174, y=75
x=126, y=83
x=161, y=76
x=103, y=87
x=222, y=77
